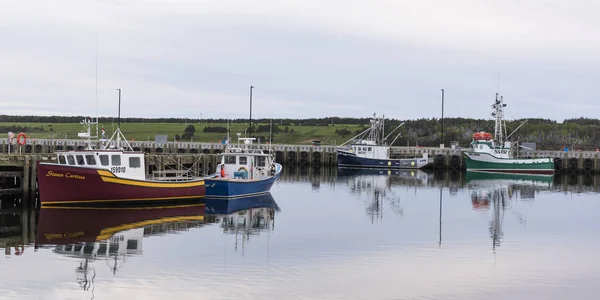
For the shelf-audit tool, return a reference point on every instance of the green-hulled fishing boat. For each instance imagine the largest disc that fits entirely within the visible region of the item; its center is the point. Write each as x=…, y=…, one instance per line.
x=495, y=153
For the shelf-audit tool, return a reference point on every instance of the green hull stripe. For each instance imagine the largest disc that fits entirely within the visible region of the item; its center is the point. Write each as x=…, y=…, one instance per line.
x=524, y=164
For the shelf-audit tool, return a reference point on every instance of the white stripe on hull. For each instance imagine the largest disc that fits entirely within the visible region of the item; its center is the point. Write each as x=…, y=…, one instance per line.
x=488, y=158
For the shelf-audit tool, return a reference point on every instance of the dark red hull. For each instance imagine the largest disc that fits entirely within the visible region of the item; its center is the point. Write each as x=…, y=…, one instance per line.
x=75, y=225
x=62, y=184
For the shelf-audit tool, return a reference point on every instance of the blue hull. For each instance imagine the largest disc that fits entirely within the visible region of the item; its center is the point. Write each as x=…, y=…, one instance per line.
x=345, y=159
x=218, y=206
x=236, y=188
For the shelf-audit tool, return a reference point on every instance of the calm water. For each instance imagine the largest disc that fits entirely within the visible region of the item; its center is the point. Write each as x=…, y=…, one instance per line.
x=330, y=236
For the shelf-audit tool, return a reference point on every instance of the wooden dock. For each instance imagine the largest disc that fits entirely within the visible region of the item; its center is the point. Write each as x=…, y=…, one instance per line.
x=304, y=155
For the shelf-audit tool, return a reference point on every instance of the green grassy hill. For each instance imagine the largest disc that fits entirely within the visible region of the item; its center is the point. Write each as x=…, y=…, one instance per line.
x=578, y=133
x=295, y=134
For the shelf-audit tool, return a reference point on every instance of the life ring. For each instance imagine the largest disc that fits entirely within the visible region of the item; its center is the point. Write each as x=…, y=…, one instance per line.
x=242, y=168
x=21, y=138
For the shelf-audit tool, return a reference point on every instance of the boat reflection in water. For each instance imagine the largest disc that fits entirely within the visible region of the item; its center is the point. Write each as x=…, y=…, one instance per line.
x=499, y=192
x=375, y=185
x=243, y=216
x=110, y=234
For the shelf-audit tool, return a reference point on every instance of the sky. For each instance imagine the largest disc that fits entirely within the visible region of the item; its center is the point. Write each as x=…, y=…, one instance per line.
x=305, y=58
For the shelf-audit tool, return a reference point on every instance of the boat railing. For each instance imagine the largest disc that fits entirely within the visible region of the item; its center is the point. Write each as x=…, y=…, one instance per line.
x=171, y=175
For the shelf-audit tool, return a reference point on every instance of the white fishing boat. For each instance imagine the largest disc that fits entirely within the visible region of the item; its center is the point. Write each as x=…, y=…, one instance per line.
x=369, y=149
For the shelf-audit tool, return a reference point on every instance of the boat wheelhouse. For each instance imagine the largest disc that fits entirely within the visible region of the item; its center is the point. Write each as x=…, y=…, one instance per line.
x=110, y=173
x=368, y=149
x=243, y=172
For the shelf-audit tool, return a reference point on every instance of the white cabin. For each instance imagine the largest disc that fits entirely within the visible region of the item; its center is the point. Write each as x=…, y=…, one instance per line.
x=124, y=164
x=241, y=162
x=488, y=146
x=369, y=149
x=122, y=243
x=245, y=165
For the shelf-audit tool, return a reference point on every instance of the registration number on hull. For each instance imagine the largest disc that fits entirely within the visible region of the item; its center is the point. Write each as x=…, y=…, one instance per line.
x=118, y=169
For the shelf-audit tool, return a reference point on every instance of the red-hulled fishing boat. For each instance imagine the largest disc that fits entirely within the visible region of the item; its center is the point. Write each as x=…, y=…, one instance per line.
x=112, y=174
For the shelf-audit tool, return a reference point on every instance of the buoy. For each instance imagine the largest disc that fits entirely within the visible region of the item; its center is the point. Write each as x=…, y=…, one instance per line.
x=21, y=138
x=482, y=135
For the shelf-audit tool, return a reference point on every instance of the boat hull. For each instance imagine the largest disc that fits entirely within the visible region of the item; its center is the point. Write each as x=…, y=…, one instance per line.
x=348, y=159
x=235, y=188
x=217, y=206
x=73, y=185
x=487, y=162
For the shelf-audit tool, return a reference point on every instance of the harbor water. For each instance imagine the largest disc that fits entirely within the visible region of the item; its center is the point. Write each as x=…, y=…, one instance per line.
x=324, y=234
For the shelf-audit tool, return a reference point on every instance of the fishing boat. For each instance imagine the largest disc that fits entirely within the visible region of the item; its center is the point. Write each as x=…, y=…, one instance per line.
x=111, y=172
x=494, y=153
x=243, y=172
x=368, y=149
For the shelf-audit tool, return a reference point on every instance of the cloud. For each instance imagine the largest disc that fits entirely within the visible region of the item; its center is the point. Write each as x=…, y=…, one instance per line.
x=306, y=58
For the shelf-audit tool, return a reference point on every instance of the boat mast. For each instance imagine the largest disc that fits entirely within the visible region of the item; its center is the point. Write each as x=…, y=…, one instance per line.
x=382, y=141
x=119, y=122
x=271, y=138
x=498, y=113
x=118, y=132
x=374, y=128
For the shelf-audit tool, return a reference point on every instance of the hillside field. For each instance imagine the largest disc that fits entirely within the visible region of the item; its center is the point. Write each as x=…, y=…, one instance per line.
x=296, y=134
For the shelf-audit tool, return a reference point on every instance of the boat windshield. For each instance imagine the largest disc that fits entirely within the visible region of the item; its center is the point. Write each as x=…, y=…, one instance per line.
x=230, y=159
x=261, y=161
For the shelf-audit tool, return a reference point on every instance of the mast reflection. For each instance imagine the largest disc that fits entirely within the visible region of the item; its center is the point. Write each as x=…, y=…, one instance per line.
x=492, y=191
x=375, y=186
x=109, y=234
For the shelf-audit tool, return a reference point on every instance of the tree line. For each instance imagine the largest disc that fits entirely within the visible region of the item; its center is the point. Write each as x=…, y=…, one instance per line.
x=281, y=122
x=583, y=133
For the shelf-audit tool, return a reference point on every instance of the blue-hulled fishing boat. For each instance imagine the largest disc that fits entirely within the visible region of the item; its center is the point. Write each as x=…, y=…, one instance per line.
x=369, y=150
x=243, y=172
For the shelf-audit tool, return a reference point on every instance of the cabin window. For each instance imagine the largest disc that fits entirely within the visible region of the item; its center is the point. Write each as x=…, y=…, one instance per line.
x=134, y=162
x=115, y=159
x=71, y=160
x=62, y=160
x=230, y=160
x=80, y=160
x=91, y=160
x=243, y=160
x=261, y=161
x=104, y=160
x=132, y=244
x=370, y=149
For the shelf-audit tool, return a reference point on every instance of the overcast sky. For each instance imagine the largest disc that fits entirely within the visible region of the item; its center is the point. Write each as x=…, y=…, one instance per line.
x=306, y=58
